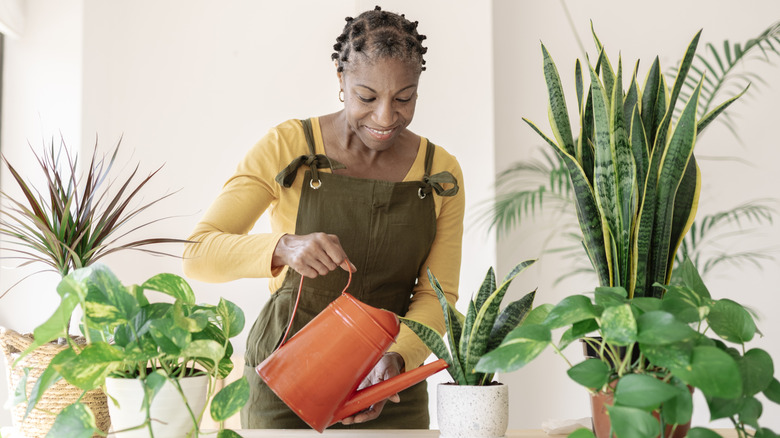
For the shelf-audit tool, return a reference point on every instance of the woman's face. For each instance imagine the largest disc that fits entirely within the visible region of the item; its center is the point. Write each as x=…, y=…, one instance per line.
x=379, y=100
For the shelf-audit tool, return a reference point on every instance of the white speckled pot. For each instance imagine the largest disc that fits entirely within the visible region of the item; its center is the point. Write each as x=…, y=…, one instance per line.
x=472, y=411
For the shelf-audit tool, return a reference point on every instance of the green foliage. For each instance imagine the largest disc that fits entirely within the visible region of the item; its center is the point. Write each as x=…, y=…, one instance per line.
x=480, y=331
x=74, y=220
x=527, y=188
x=128, y=335
x=652, y=348
x=632, y=170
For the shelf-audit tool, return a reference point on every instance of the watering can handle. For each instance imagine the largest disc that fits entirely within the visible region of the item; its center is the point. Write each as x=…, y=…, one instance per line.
x=375, y=393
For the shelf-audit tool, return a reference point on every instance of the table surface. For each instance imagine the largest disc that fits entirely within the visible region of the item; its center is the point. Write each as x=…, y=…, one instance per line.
x=256, y=433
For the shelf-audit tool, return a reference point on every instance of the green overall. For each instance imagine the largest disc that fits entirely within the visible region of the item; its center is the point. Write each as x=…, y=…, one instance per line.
x=386, y=229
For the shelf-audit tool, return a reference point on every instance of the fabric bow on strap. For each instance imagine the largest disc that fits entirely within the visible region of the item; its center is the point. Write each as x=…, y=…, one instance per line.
x=434, y=182
x=287, y=176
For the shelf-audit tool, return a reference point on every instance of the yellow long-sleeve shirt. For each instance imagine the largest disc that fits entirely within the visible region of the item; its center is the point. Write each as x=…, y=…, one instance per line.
x=226, y=251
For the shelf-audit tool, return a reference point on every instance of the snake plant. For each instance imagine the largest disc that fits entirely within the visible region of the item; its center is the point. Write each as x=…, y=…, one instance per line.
x=478, y=332
x=633, y=172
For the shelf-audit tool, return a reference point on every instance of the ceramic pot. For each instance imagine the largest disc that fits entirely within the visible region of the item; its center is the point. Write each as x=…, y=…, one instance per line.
x=472, y=411
x=168, y=407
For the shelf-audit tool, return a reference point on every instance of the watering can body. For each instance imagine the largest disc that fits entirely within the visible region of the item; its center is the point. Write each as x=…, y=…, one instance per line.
x=318, y=371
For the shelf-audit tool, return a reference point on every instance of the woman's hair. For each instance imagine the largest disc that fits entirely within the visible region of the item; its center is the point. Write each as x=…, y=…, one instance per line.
x=379, y=34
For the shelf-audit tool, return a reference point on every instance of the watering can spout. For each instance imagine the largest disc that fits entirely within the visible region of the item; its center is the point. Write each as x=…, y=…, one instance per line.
x=366, y=397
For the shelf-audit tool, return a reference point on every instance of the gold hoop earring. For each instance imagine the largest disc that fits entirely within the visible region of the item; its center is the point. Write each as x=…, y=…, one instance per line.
x=341, y=95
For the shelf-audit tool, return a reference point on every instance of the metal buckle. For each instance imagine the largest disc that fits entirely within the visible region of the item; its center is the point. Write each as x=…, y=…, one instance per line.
x=420, y=193
x=315, y=187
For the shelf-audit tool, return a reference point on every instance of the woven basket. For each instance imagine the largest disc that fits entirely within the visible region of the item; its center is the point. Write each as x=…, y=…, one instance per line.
x=56, y=398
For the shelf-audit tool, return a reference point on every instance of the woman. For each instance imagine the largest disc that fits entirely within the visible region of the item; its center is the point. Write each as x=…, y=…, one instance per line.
x=353, y=191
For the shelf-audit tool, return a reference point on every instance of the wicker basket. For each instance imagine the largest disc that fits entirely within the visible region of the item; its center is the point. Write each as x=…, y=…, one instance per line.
x=56, y=398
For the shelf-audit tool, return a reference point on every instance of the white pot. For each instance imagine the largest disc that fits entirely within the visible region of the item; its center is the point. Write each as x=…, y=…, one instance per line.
x=472, y=411
x=168, y=407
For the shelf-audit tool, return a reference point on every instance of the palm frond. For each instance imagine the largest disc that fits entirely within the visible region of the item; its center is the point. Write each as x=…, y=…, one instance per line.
x=718, y=70
x=541, y=182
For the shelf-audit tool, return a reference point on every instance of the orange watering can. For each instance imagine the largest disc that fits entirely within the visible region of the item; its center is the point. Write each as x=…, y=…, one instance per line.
x=318, y=371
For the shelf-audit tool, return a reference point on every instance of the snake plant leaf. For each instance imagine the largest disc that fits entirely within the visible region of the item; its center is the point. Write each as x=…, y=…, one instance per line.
x=604, y=173
x=731, y=321
x=453, y=320
x=578, y=82
x=682, y=72
x=631, y=100
x=686, y=203
x=757, y=370
x=607, y=73
x=486, y=289
x=639, y=145
x=519, y=347
x=650, y=91
x=229, y=400
x=713, y=371
x=486, y=317
x=433, y=340
x=643, y=391
x=591, y=373
x=673, y=164
x=585, y=153
x=587, y=212
x=75, y=421
x=512, y=316
x=465, y=337
x=625, y=177
x=633, y=422
x=558, y=114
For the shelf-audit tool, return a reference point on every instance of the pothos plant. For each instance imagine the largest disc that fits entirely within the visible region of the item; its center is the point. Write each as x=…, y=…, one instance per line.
x=651, y=351
x=129, y=336
x=478, y=332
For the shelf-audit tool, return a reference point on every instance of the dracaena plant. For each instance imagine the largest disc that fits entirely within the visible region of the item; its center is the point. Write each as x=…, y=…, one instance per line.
x=129, y=336
x=633, y=173
x=75, y=218
x=478, y=332
x=651, y=351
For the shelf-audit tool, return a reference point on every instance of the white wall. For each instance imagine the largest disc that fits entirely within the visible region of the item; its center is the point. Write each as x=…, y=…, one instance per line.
x=194, y=84
x=638, y=30
x=42, y=97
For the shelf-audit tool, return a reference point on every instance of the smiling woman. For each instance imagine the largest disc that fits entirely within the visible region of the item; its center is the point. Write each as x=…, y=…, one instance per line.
x=351, y=192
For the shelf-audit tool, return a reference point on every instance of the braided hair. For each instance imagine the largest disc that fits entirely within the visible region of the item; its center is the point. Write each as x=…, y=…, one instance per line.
x=379, y=33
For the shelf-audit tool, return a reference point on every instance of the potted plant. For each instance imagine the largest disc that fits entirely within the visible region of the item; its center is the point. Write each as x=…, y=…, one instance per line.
x=69, y=222
x=687, y=340
x=636, y=184
x=158, y=361
x=473, y=405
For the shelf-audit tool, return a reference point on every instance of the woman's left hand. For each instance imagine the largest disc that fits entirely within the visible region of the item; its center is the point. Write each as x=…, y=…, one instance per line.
x=390, y=365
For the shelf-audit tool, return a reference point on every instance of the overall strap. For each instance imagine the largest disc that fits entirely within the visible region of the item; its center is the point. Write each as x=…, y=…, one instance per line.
x=434, y=182
x=315, y=161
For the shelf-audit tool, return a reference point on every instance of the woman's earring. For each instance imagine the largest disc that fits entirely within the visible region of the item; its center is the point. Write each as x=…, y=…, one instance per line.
x=341, y=95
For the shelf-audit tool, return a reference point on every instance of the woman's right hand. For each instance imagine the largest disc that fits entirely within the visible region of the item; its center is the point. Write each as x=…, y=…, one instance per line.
x=311, y=254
